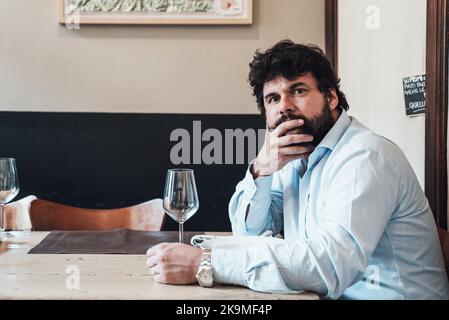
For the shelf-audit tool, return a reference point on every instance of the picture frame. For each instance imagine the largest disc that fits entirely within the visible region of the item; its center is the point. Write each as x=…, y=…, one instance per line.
x=156, y=12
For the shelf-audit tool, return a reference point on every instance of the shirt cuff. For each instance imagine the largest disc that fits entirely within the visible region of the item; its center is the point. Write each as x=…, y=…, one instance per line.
x=256, y=188
x=225, y=272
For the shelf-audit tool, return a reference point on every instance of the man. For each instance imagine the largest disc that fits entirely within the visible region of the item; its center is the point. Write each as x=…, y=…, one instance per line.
x=355, y=221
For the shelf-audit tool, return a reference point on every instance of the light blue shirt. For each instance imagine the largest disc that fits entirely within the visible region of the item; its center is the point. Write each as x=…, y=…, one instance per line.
x=355, y=220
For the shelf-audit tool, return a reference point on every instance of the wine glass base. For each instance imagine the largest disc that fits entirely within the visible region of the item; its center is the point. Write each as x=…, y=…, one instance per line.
x=5, y=235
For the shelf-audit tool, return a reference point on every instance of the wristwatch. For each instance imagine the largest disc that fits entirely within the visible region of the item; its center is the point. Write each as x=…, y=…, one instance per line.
x=204, y=274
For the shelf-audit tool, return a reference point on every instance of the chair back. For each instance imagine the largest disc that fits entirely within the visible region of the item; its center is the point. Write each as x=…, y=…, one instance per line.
x=46, y=216
x=17, y=214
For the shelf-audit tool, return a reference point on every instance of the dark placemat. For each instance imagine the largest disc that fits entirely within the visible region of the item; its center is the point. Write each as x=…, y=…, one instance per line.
x=117, y=241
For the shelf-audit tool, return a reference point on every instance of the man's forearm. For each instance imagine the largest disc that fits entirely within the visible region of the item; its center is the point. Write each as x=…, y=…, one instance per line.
x=251, y=205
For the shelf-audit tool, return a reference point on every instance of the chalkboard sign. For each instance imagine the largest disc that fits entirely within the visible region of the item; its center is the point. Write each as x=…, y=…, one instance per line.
x=415, y=95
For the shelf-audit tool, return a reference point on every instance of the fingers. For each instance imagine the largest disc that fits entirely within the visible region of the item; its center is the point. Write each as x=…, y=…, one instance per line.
x=155, y=260
x=294, y=157
x=154, y=271
x=152, y=251
x=294, y=150
x=293, y=139
x=158, y=278
x=157, y=248
x=286, y=126
x=280, y=143
x=164, y=278
x=154, y=255
x=151, y=262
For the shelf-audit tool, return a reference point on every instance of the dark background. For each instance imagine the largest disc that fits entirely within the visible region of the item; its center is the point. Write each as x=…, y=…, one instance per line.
x=112, y=160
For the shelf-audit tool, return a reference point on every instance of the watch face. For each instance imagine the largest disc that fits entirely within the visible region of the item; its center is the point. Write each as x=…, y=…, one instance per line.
x=205, y=277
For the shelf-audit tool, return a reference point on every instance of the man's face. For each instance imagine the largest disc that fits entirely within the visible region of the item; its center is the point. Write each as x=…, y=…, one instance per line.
x=300, y=98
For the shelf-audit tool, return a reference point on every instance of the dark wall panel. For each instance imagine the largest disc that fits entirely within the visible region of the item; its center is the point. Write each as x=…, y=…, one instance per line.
x=106, y=160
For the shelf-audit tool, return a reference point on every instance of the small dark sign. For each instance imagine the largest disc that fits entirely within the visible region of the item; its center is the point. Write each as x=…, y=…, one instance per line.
x=415, y=95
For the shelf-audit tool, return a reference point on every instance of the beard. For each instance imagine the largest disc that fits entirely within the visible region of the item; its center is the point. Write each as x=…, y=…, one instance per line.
x=317, y=126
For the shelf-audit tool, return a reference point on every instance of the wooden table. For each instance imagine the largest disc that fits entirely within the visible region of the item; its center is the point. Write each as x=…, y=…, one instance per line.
x=53, y=276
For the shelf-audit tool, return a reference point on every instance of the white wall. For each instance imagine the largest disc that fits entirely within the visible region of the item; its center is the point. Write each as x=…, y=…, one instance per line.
x=180, y=69
x=372, y=63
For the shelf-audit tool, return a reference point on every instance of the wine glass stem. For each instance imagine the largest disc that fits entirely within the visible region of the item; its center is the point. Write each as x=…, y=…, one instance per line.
x=181, y=232
x=2, y=222
x=2, y=217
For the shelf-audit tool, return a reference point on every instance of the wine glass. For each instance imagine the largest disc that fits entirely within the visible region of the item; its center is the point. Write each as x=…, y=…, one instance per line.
x=9, y=186
x=180, y=197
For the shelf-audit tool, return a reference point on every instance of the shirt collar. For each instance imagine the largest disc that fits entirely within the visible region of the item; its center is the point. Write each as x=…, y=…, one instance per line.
x=330, y=140
x=334, y=135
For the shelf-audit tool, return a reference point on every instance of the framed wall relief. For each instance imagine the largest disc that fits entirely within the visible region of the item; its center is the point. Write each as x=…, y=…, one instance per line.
x=176, y=12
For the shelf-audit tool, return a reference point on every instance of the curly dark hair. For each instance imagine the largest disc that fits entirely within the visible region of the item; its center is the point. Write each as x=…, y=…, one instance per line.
x=292, y=60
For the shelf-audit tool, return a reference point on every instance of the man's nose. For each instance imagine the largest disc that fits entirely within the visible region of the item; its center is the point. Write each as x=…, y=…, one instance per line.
x=286, y=105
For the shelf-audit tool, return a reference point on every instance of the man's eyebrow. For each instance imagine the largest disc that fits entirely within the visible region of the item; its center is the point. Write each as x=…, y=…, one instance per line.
x=291, y=87
x=298, y=84
x=272, y=94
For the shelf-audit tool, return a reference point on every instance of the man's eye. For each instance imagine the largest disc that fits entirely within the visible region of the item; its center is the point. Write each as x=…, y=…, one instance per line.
x=273, y=100
x=298, y=91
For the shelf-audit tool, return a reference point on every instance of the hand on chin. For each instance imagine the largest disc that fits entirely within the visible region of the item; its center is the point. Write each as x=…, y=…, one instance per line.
x=304, y=144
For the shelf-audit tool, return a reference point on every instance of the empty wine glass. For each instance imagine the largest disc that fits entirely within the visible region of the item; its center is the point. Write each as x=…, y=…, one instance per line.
x=180, y=197
x=9, y=186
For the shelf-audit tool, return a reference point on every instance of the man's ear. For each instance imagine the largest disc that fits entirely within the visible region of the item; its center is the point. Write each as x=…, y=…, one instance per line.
x=332, y=99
